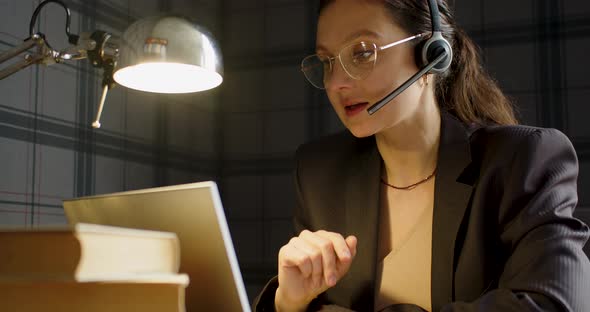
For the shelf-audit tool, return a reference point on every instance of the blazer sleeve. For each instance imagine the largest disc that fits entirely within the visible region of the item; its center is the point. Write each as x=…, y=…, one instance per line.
x=546, y=268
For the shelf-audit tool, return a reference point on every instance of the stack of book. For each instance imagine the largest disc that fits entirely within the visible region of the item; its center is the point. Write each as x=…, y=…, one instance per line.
x=90, y=268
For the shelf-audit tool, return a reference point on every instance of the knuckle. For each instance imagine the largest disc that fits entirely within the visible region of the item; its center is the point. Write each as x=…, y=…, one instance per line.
x=325, y=245
x=337, y=239
x=315, y=255
x=302, y=260
x=283, y=250
x=285, y=255
x=337, y=236
x=304, y=233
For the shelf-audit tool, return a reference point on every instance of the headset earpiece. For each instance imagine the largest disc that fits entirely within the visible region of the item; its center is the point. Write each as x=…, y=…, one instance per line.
x=431, y=48
x=429, y=55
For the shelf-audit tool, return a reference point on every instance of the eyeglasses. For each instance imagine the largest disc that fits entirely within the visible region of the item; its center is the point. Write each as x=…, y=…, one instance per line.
x=357, y=60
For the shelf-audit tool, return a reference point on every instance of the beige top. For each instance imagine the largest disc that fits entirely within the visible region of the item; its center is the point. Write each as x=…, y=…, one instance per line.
x=404, y=274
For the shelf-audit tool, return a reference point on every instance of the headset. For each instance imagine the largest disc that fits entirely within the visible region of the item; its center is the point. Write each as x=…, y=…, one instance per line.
x=433, y=55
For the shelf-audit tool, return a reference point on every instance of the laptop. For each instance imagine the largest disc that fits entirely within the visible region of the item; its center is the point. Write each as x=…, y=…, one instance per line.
x=195, y=213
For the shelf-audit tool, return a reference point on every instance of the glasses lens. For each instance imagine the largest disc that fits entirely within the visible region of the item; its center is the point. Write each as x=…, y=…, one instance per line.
x=315, y=67
x=359, y=59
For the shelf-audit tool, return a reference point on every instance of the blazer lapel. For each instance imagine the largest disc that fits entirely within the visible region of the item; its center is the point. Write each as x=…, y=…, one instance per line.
x=362, y=203
x=451, y=199
x=362, y=212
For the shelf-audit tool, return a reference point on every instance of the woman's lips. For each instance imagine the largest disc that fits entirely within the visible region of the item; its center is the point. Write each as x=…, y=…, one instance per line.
x=352, y=110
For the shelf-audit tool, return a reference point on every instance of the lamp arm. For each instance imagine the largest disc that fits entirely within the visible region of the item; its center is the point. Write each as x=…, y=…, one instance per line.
x=24, y=63
x=45, y=54
x=80, y=50
x=99, y=47
x=27, y=44
x=29, y=59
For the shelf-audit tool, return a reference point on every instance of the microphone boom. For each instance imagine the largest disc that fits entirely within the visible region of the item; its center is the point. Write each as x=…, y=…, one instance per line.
x=377, y=106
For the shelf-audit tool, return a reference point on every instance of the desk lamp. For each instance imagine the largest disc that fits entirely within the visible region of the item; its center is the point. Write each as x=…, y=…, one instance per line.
x=164, y=54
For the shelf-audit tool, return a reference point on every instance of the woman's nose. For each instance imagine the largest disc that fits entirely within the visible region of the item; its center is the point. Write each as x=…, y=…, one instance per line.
x=338, y=78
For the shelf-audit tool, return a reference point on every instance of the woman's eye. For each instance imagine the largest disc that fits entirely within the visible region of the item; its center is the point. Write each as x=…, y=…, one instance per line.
x=362, y=57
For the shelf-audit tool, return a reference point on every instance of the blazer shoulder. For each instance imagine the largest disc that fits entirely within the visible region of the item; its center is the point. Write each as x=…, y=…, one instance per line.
x=503, y=142
x=516, y=133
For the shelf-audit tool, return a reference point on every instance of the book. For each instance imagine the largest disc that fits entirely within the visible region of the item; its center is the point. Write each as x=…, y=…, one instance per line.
x=146, y=293
x=85, y=252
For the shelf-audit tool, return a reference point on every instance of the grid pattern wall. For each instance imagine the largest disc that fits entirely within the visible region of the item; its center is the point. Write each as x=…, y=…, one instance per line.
x=534, y=49
x=267, y=112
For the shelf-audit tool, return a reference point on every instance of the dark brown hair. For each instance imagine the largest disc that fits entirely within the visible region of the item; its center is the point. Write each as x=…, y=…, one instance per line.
x=466, y=89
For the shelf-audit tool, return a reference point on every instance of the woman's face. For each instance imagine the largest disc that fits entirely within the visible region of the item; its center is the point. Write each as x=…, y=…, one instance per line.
x=345, y=22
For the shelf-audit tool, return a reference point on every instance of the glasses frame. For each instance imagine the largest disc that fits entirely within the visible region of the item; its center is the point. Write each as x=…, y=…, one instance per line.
x=376, y=48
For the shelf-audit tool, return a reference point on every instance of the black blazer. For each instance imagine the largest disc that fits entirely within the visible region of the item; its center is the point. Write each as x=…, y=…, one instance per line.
x=503, y=234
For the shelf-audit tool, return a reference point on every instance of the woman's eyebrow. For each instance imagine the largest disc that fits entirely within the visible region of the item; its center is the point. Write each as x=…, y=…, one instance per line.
x=354, y=35
x=362, y=33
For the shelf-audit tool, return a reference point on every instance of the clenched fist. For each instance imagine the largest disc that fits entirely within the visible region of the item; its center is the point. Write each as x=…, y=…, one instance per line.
x=310, y=264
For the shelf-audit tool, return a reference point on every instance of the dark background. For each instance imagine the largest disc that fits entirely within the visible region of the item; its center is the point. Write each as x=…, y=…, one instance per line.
x=244, y=133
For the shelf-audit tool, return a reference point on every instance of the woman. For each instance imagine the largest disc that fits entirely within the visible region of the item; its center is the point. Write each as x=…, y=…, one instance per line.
x=438, y=201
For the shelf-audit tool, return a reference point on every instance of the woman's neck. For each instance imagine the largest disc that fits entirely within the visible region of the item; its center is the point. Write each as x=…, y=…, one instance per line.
x=410, y=149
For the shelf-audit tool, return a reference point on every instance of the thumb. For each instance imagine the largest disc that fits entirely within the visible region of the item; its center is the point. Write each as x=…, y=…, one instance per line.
x=351, y=241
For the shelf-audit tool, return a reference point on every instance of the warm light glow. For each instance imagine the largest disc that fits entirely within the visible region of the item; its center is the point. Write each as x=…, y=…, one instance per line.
x=167, y=78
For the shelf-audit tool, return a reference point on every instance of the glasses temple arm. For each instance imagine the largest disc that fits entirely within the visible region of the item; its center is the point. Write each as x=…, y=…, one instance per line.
x=373, y=109
x=387, y=46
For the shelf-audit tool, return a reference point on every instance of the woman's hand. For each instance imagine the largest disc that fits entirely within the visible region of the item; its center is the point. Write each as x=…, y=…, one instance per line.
x=310, y=264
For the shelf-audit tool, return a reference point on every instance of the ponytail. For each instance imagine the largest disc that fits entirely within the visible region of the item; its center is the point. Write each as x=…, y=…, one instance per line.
x=468, y=91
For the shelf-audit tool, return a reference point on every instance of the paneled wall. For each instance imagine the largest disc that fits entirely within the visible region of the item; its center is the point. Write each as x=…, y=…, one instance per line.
x=266, y=115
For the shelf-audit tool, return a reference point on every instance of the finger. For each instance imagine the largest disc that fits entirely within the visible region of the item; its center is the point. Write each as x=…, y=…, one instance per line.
x=315, y=255
x=290, y=256
x=344, y=266
x=340, y=246
x=328, y=255
x=351, y=241
x=344, y=263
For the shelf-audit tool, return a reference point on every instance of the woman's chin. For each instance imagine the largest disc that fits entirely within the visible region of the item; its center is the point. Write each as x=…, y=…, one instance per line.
x=360, y=132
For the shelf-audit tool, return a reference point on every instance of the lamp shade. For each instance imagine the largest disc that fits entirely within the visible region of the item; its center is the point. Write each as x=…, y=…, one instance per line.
x=168, y=54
